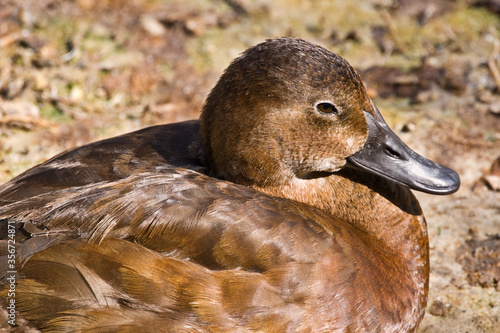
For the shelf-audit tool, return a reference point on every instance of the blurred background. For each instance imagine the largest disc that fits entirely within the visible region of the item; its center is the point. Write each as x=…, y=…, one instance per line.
x=72, y=72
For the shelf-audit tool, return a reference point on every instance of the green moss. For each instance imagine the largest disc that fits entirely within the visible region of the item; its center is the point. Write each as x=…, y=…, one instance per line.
x=100, y=42
x=166, y=70
x=490, y=136
x=459, y=28
x=315, y=21
x=58, y=30
x=51, y=112
x=465, y=24
x=395, y=110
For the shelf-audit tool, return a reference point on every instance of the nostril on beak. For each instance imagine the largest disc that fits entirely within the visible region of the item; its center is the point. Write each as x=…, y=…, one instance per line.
x=391, y=152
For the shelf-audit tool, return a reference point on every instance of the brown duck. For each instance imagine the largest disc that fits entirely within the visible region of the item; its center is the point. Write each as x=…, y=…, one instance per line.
x=286, y=208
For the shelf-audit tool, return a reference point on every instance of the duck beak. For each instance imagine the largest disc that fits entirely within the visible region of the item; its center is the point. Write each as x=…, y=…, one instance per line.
x=385, y=155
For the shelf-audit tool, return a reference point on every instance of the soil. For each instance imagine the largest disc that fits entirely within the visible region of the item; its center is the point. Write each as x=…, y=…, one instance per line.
x=72, y=72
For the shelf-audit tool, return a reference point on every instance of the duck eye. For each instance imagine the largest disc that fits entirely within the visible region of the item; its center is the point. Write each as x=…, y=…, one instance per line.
x=327, y=108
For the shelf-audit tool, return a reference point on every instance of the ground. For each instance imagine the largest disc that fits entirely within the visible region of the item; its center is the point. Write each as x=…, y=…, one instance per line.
x=72, y=72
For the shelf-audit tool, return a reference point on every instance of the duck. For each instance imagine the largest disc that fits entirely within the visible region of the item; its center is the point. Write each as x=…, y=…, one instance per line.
x=287, y=207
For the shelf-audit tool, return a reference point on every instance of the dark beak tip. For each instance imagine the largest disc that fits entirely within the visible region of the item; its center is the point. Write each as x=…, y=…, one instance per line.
x=452, y=182
x=447, y=182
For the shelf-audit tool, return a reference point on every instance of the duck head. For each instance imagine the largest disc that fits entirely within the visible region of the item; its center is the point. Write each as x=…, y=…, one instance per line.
x=287, y=109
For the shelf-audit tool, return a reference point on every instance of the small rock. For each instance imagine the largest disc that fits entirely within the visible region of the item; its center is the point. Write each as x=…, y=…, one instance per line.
x=492, y=177
x=20, y=114
x=408, y=127
x=14, y=88
x=438, y=308
x=76, y=94
x=493, y=182
x=41, y=81
x=19, y=109
x=152, y=25
x=494, y=108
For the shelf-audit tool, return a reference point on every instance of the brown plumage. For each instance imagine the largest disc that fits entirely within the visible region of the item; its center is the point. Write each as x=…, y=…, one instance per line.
x=286, y=212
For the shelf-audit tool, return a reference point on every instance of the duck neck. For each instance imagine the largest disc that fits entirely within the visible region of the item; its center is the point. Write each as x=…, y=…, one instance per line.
x=388, y=213
x=383, y=209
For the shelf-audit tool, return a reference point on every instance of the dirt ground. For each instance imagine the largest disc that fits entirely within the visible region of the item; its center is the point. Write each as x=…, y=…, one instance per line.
x=72, y=72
